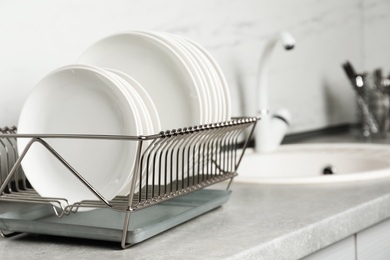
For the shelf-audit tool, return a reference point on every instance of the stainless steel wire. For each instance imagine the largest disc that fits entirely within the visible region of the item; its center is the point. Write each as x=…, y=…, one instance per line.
x=168, y=164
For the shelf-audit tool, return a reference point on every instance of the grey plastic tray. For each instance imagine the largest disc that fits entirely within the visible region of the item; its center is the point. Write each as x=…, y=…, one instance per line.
x=106, y=224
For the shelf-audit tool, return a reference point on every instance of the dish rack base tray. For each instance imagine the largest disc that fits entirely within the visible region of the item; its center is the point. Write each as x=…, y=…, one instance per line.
x=107, y=225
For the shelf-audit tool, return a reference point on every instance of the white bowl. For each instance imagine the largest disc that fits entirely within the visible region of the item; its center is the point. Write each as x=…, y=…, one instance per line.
x=79, y=99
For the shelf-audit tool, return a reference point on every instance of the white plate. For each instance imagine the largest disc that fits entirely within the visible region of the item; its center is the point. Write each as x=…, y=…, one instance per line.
x=144, y=121
x=194, y=69
x=212, y=80
x=78, y=99
x=163, y=74
x=221, y=77
x=148, y=105
x=135, y=99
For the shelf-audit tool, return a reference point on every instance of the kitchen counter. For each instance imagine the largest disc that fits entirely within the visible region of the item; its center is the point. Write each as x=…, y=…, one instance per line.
x=258, y=222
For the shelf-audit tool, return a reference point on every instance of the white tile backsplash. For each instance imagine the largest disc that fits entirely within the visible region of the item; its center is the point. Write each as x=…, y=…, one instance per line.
x=42, y=35
x=376, y=39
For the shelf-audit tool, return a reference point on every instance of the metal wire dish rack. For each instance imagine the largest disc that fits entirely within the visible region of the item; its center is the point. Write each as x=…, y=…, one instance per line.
x=168, y=188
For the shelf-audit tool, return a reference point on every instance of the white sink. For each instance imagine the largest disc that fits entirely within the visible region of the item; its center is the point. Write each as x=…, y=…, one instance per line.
x=305, y=163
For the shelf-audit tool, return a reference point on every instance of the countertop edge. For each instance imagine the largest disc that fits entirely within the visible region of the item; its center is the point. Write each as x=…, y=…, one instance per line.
x=311, y=238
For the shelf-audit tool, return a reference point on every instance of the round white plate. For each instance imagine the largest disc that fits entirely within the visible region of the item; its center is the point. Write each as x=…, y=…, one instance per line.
x=78, y=99
x=194, y=69
x=139, y=106
x=212, y=80
x=145, y=122
x=163, y=74
x=147, y=100
x=221, y=77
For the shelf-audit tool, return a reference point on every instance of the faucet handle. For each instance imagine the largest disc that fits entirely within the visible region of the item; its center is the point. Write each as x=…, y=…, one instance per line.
x=271, y=130
x=284, y=115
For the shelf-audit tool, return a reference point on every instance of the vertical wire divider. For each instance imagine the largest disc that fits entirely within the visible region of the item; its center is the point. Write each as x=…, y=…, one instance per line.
x=221, y=139
x=186, y=160
x=128, y=212
x=226, y=146
x=3, y=178
x=156, y=167
x=215, y=152
x=172, y=161
x=144, y=171
x=162, y=163
x=194, y=145
x=217, y=140
x=167, y=165
x=11, y=151
x=185, y=141
x=178, y=157
x=3, y=175
x=199, y=154
x=152, y=161
x=173, y=151
x=180, y=143
x=15, y=167
x=249, y=137
x=195, y=153
x=234, y=147
x=6, y=164
x=150, y=168
x=208, y=137
x=190, y=156
x=211, y=139
x=202, y=155
x=176, y=137
x=20, y=182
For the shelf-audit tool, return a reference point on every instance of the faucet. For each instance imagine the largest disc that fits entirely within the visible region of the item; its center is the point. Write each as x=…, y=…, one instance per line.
x=271, y=128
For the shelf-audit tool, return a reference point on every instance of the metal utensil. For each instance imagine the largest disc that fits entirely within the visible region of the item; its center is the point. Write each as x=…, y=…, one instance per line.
x=358, y=82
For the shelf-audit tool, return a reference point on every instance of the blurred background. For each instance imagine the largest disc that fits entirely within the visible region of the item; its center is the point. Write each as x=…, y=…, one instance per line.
x=39, y=36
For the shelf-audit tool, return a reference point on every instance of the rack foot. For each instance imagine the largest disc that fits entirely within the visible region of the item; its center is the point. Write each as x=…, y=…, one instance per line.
x=10, y=234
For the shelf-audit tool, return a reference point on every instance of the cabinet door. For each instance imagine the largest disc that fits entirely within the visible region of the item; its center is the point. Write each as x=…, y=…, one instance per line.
x=374, y=243
x=343, y=250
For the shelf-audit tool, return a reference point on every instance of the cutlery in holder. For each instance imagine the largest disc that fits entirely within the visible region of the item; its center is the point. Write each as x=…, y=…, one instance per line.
x=169, y=185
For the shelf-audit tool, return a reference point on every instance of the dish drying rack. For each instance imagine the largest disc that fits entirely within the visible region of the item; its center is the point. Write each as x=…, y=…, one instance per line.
x=171, y=170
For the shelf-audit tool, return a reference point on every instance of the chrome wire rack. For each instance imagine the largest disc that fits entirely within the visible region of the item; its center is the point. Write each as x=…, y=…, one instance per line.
x=168, y=165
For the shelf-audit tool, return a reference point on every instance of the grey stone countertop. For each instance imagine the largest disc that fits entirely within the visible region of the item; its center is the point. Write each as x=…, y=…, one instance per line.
x=258, y=222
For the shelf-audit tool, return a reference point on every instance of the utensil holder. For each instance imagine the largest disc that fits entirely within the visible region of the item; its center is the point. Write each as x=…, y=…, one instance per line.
x=374, y=110
x=174, y=165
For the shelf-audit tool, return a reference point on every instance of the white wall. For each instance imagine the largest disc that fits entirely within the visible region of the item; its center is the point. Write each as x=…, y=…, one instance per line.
x=39, y=36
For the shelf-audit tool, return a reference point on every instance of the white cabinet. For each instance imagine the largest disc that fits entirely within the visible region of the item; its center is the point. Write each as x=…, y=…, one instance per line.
x=374, y=242
x=343, y=250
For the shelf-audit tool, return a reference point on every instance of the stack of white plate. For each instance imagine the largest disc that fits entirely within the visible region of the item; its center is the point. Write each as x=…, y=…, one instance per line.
x=184, y=81
x=82, y=99
x=135, y=83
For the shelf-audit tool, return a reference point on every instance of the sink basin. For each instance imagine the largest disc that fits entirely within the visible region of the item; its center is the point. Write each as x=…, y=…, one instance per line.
x=306, y=163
